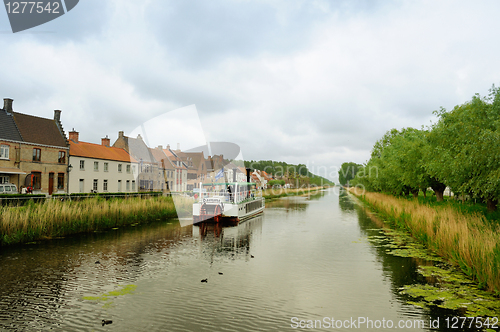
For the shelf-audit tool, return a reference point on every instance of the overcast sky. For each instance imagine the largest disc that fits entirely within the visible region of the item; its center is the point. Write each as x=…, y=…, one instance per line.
x=314, y=82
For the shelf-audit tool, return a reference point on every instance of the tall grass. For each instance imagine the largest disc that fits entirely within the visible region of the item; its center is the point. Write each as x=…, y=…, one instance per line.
x=55, y=218
x=465, y=239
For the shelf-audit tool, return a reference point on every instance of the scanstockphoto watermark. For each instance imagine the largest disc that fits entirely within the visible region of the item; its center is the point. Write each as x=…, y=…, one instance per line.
x=362, y=323
x=25, y=15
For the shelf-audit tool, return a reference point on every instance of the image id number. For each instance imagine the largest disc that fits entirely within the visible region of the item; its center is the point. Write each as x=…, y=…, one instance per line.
x=32, y=7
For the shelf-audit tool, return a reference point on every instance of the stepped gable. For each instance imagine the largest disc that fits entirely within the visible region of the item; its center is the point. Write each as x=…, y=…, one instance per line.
x=38, y=130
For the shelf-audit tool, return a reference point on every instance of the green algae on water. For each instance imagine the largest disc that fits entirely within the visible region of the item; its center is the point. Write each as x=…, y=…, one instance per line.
x=107, y=297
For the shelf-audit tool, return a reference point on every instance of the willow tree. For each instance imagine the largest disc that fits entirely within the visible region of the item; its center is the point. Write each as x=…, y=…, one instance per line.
x=347, y=172
x=465, y=147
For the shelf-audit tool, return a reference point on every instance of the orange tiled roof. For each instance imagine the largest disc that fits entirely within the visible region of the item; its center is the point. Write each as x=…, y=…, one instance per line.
x=97, y=151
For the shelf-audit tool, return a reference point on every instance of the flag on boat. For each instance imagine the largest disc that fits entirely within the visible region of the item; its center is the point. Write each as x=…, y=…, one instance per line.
x=219, y=174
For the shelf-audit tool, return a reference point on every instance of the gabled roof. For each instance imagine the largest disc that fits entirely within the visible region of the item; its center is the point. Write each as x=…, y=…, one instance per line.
x=196, y=157
x=161, y=157
x=139, y=150
x=8, y=128
x=38, y=130
x=232, y=166
x=174, y=158
x=97, y=151
x=209, y=165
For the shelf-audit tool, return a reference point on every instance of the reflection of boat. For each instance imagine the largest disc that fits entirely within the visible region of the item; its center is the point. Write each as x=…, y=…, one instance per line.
x=228, y=200
x=228, y=238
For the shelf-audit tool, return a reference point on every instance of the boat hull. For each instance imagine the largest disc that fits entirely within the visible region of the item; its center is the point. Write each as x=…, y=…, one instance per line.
x=213, y=209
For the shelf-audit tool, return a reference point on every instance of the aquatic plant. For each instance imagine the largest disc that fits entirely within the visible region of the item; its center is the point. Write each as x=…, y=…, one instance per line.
x=467, y=240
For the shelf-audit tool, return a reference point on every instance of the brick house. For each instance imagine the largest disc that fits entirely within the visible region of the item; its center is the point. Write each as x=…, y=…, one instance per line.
x=196, y=167
x=33, y=151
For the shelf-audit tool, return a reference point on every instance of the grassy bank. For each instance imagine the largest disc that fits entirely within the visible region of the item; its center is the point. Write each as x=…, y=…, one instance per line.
x=54, y=218
x=282, y=192
x=468, y=240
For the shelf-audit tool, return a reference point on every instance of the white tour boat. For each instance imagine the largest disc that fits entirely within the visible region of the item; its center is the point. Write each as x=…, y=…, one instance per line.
x=227, y=200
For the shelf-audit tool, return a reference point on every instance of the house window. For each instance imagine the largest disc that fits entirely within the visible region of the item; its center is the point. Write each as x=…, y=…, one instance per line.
x=60, y=181
x=133, y=185
x=95, y=185
x=105, y=185
x=106, y=167
x=96, y=166
x=37, y=180
x=82, y=165
x=61, y=157
x=119, y=168
x=133, y=168
x=128, y=185
x=4, y=179
x=4, y=151
x=37, y=154
x=119, y=185
x=128, y=169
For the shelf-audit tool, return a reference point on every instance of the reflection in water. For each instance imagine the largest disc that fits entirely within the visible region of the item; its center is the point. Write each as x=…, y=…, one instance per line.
x=345, y=202
x=290, y=204
x=228, y=238
x=45, y=278
x=402, y=271
x=310, y=260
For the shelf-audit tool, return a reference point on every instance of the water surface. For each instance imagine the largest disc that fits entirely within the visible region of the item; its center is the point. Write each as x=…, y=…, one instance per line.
x=305, y=257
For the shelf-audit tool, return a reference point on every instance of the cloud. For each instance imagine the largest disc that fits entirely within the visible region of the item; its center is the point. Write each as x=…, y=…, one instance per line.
x=297, y=81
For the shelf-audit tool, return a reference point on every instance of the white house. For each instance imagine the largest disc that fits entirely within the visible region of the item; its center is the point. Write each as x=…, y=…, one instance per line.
x=100, y=168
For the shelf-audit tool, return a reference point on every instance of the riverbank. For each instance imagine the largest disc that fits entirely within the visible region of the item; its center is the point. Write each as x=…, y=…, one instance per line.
x=466, y=240
x=274, y=193
x=55, y=218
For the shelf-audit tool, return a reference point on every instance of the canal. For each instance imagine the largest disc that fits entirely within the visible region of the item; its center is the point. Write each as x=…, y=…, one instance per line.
x=305, y=261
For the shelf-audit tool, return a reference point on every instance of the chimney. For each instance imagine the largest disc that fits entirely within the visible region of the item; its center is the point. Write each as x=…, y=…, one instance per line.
x=160, y=147
x=106, y=141
x=73, y=135
x=7, y=104
x=178, y=146
x=168, y=146
x=139, y=136
x=120, y=134
x=57, y=115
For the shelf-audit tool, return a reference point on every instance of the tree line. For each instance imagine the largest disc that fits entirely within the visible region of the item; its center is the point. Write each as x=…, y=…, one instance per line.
x=296, y=174
x=459, y=151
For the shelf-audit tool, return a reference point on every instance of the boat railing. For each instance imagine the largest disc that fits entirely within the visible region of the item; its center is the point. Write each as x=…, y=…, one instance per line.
x=230, y=197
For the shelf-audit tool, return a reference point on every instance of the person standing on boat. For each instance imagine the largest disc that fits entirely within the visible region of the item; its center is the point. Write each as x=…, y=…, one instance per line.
x=230, y=193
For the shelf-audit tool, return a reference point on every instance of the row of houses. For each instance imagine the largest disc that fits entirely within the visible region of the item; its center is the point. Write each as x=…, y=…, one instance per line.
x=35, y=153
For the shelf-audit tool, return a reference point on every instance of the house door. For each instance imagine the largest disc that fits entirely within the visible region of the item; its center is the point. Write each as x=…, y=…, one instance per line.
x=81, y=186
x=51, y=183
